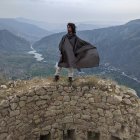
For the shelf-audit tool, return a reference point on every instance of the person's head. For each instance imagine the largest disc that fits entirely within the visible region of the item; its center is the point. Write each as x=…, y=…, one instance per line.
x=71, y=28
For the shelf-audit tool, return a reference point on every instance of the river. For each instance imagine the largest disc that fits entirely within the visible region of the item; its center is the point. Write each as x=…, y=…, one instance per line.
x=37, y=56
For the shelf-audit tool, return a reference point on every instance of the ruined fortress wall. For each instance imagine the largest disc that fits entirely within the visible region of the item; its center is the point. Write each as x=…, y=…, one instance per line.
x=57, y=112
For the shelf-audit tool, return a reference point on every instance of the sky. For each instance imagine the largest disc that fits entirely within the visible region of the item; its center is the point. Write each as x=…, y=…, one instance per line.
x=59, y=11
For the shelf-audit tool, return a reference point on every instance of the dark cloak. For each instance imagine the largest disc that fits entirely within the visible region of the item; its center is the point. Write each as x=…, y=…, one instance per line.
x=81, y=55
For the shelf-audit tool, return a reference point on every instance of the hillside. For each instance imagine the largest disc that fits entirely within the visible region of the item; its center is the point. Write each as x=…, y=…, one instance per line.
x=15, y=62
x=28, y=31
x=92, y=108
x=12, y=43
x=120, y=46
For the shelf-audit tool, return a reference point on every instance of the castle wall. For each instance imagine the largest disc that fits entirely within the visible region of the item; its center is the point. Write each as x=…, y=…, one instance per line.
x=56, y=112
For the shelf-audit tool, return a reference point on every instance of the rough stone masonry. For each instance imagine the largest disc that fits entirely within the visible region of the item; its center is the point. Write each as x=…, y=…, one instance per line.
x=62, y=112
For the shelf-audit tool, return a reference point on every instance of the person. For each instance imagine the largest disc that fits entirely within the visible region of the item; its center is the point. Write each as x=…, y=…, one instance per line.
x=75, y=53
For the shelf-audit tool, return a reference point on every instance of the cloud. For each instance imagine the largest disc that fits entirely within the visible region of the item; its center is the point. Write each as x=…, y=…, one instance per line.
x=75, y=10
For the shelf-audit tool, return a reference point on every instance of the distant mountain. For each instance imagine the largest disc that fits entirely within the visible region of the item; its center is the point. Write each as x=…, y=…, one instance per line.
x=13, y=55
x=61, y=27
x=86, y=26
x=12, y=43
x=136, y=21
x=28, y=31
x=120, y=46
x=15, y=61
x=44, y=25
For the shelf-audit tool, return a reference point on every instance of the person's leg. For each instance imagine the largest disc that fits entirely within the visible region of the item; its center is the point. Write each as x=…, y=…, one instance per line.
x=58, y=70
x=57, y=73
x=70, y=72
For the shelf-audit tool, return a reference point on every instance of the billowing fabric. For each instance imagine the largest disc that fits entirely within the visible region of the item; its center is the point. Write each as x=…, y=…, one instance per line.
x=81, y=55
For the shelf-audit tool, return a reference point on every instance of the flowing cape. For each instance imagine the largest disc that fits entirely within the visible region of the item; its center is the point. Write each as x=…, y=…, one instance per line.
x=82, y=55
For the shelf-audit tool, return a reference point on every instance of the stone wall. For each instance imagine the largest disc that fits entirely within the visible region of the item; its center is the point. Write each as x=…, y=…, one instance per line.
x=57, y=112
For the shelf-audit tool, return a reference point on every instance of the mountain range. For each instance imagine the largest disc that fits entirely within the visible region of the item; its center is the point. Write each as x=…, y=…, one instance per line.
x=61, y=27
x=15, y=61
x=28, y=31
x=9, y=42
x=118, y=47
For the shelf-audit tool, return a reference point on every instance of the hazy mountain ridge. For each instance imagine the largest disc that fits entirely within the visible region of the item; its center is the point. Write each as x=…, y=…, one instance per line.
x=61, y=27
x=12, y=43
x=120, y=46
x=15, y=62
x=28, y=31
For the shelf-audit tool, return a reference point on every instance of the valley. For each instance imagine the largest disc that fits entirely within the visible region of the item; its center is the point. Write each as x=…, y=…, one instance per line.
x=118, y=46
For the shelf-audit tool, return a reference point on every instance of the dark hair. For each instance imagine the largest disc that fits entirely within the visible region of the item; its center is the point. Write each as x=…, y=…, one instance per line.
x=72, y=25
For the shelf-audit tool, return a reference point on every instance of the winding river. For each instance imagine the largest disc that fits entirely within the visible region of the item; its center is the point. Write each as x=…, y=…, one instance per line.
x=37, y=56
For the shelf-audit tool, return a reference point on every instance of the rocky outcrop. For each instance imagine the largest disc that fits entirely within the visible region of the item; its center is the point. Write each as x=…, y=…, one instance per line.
x=92, y=109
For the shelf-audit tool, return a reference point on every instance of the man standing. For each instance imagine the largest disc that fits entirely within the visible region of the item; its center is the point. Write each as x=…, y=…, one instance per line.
x=75, y=53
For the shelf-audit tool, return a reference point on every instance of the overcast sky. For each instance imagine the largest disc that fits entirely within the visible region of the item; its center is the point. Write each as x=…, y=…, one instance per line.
x=71, y=10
